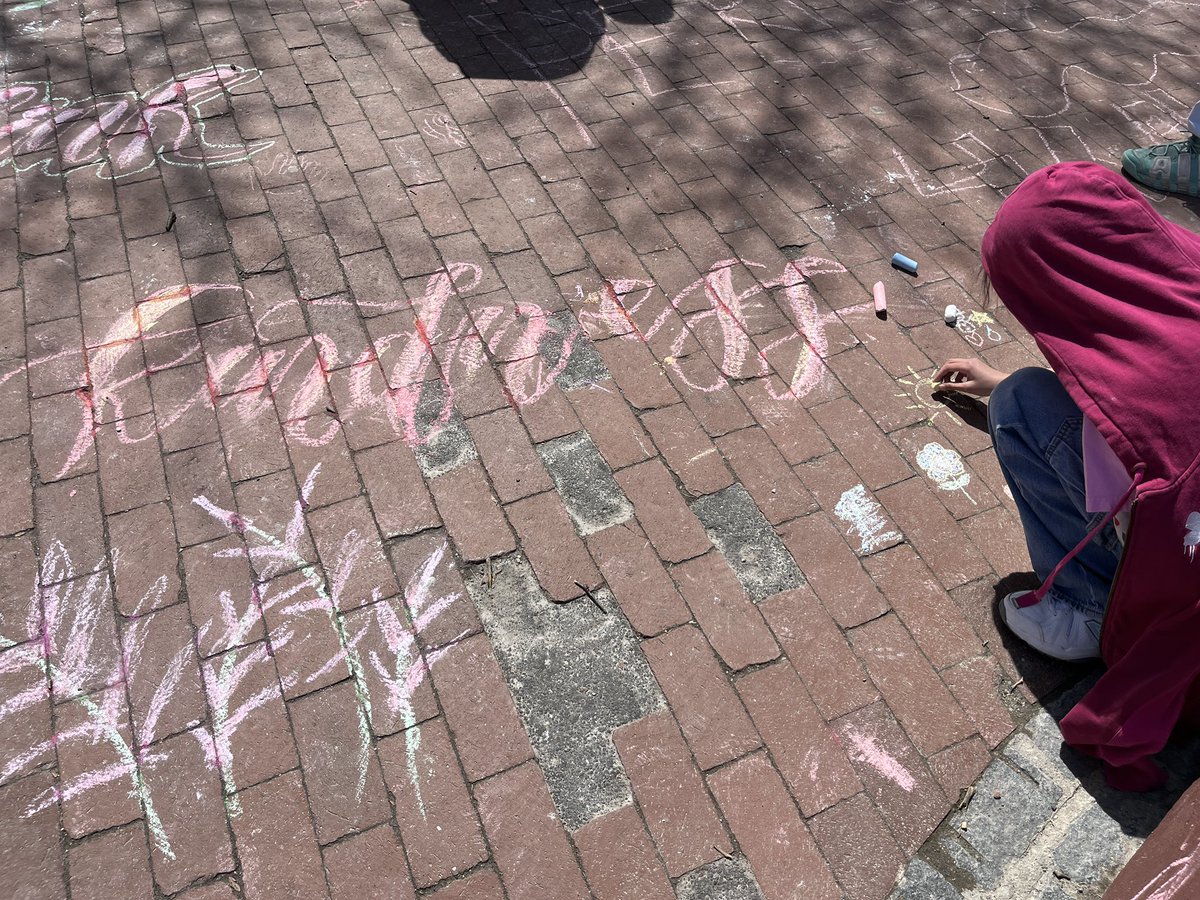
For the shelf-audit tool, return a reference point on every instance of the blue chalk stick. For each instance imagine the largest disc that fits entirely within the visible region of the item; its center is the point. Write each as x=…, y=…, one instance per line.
x=904, y=264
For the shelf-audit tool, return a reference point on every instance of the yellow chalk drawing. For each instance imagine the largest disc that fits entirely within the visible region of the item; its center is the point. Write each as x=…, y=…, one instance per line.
x=919, y=390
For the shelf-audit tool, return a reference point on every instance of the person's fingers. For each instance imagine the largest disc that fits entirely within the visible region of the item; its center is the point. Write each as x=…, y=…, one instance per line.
x=968, y=376
x=949, y=369
x=974, y=386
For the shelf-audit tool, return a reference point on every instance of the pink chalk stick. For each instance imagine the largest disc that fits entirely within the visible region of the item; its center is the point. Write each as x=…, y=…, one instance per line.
x=880, y=297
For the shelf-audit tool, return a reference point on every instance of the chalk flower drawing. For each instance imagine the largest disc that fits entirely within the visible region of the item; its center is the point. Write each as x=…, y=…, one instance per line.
x=865, y=518
x=945, y=468
x=119, y=135
x=976, y=328
x=1192, y=536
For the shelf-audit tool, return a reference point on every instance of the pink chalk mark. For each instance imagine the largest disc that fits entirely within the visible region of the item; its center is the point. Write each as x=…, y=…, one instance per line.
x=865, y=748
x=520, y=330
x=343, y=656
x=1175, y=878
x=84, y=783
x=352, y=548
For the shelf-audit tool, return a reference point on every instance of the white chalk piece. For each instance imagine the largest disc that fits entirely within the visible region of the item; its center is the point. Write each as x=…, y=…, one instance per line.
x=951, y=314
x=880, y=299
x=904, y=264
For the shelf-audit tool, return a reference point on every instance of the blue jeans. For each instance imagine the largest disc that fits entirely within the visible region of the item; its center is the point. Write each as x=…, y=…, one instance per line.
x=1037, y=431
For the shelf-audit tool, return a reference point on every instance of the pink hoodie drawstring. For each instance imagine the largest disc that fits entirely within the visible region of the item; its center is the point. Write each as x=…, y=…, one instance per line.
x=1036, y=597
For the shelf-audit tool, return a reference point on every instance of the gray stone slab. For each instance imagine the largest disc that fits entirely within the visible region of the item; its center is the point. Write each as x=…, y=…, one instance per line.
x=923, y=882
x=1093, y=850
x=591, y=495
x=725, y=879
x=744, y=536
x=576, y=674
x=1041, y=753
x=1061, y=705
x=958, y=861
x=1054, y=892
x=444, y=443
x=1000, y=831
x=1055, y=814
x=584, y=365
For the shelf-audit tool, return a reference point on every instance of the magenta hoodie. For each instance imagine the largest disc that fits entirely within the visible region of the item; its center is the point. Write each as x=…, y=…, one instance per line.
x=1111, y=293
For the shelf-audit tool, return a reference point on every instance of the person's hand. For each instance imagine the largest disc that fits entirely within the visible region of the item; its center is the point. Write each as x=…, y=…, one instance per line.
x=971, y=376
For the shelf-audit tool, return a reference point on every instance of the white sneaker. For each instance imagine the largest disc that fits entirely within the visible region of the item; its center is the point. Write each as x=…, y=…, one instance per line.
x=1053, y=627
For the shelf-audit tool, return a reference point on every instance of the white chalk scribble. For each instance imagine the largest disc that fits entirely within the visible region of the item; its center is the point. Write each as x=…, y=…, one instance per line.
x=945, y=468
x=865, y=517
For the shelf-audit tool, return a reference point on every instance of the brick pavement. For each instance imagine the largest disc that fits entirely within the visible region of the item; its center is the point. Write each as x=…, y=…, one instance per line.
x=448, y=449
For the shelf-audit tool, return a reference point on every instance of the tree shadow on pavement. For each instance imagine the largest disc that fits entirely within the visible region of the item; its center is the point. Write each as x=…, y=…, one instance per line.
x=534, y=40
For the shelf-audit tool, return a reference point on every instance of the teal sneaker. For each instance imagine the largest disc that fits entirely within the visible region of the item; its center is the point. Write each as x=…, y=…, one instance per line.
x=1174, y=168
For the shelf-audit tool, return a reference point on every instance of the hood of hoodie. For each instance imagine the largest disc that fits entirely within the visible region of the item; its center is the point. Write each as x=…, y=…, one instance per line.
x=1110, y=291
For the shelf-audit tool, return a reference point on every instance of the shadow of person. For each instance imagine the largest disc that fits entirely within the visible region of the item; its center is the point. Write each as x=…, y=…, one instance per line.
x=1057, y=687
x=526, y=40
x=969, y=411
x=1045, y=677
x=634, y=12
x=1181, y=209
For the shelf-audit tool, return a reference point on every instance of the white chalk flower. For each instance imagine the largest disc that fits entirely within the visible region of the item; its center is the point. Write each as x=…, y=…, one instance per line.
x=945, y=468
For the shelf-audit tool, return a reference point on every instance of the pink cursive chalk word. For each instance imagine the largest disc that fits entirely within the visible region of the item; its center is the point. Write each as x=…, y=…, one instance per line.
x=119, y=135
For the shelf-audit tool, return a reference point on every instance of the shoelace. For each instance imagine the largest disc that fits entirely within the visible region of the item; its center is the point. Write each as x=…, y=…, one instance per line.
x=1177, y=147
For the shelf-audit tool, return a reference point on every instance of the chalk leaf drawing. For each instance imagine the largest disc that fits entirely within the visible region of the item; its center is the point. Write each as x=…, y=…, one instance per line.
x=945, y=468
x=865, y=517
x=119, y=135
x=66, y=644
x=1192, y=537
x=442, y=127
x=74, y=644
x=400, y=667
